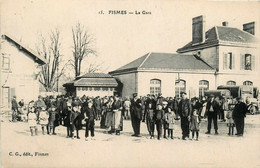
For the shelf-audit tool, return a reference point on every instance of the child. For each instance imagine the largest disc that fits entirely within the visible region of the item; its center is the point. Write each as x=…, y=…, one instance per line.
x=230, y=123
x=169, y=118
x=32, y=120
x=43, y=117
x=159, y=117
x=149, y=112
x=52, y=118
x=194, y=124
x=90, y=121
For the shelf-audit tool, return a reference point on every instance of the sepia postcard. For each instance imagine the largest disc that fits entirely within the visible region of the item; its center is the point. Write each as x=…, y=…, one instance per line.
x=122, y=84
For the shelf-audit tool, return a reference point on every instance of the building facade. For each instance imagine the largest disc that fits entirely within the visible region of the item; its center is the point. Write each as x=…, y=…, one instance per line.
x=92, y=85
x=166, y=73
x=220, y=56
x=18, y=72
x=233, y=53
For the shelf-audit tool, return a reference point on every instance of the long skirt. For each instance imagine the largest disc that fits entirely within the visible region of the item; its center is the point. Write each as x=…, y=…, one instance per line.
x=118, y=117
x=110, y=122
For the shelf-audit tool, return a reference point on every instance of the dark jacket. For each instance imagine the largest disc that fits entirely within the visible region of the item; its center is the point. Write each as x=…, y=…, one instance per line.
x=136, y=109
x=240, y=110
x=159, y=115
x=117, y=105
x=14, y=105
x=215, y=106
x=185, y=108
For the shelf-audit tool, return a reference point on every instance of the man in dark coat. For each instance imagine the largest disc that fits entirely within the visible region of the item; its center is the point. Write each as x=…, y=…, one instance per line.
x=14, y=109
x=239, y=115
x=185, y=110
x=97, y=107
x=212, y=110
x=136, y=114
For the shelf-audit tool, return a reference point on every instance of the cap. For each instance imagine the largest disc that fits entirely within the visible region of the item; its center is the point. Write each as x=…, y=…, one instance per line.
x=183, y=93
x=135, y=95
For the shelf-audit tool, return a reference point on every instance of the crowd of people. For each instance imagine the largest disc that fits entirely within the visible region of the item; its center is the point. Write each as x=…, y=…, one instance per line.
x=156, y=111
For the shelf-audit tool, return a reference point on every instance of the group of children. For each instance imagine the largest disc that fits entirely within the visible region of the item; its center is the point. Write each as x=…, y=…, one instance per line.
x=164, y=118
x=42, y=117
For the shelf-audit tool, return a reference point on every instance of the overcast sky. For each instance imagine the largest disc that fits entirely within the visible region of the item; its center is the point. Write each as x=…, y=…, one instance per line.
x=121, y=38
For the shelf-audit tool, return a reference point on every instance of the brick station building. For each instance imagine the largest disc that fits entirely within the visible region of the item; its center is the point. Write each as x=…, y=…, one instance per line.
x=220, y=56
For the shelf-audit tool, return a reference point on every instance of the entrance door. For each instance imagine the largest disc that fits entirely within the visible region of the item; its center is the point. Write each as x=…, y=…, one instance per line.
x=6, y=98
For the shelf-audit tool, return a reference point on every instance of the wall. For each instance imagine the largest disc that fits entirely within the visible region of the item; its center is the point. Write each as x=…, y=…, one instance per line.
x=129, y=81
x=168, y=82
x=20, y=78
x=237, y=74
x=209, y=55
x=93, y=93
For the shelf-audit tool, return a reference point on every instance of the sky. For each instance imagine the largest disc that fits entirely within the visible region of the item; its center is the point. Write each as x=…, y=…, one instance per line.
x=120, y=38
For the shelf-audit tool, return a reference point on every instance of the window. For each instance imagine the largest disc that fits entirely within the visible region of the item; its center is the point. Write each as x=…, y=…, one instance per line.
x=247, y=62
x=111, y=89
x=203, y=86
x=105, y=89
x=233, y=83
x=229, y=61
x=96, y=88
x=6, y=62
x=79, y=88
x=180, y=86
x=247, y=83
x=155, y=86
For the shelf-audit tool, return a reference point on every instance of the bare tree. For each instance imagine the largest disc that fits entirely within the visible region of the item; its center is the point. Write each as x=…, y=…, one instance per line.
x=49, y=73
x=83, y=46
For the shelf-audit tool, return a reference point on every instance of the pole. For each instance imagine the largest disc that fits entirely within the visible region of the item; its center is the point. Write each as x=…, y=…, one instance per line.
x=58, y=72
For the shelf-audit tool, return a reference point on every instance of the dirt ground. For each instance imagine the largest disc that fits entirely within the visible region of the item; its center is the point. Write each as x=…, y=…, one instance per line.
x=20, y=149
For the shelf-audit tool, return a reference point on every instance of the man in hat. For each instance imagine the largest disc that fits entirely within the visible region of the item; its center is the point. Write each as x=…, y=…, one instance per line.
x=239, y=115
x=14, y=109
x=212, y=110
x=136, y=114
x=185, y=110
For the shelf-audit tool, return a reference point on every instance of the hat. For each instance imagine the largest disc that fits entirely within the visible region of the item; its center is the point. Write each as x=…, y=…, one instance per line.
x=164, y=103
x=14, y=97
x=135, y=95
x=159, y=94
x=183, y=93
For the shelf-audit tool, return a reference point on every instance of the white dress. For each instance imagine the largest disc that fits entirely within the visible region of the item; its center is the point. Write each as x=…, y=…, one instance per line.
x=32, y=119
x=44, y=117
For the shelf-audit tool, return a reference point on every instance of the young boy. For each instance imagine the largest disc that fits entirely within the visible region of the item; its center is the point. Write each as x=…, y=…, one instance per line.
x=90, y=121
x=159, y=117
x=149, y=113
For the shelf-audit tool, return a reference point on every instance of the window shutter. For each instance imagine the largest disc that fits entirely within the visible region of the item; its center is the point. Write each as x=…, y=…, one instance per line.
x=242, y=61
x=225, y=61
x=233, y=61
x=253, y=62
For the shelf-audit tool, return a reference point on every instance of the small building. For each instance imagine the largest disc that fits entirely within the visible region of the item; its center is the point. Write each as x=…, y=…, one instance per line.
x=92, y=84
x=19, y=69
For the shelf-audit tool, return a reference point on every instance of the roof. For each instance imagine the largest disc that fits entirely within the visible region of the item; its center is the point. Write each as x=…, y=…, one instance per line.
x=27, y=50
x=166, y=61
x=93, y=80
x=95, y=75
x=222, y=34
x=98, y=82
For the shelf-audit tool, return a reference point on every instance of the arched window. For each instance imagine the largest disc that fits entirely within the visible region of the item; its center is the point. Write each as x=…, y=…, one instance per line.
x=203, y=86
x=180, y=86
x=233, y=83
x=155, y=86
x=247, y=83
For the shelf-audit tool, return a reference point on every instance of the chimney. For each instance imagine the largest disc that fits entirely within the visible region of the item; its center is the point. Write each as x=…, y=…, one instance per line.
x=225, y=24
x=198, y=29
x=249, y=27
